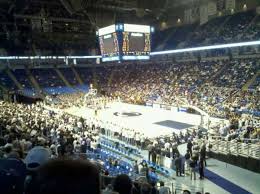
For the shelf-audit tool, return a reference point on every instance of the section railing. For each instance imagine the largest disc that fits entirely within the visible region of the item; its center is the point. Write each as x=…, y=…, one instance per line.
x=247, y=147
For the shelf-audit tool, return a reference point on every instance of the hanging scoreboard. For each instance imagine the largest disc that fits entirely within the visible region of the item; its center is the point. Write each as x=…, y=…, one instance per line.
x=108, y=42
x=136, y=42
x=125, y=42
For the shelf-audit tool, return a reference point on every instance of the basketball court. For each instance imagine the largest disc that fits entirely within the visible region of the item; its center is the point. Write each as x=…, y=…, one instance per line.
x=153, y=122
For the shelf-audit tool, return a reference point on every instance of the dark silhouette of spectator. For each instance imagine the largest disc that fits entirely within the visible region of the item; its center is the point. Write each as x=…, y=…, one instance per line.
x=154, y=190
x=183, y=161
x=61, y=151
x=153, y=155
x=203, y=153
x=83, y=147
x=178, y=165
x=163, y=189
x=67, y=177
x=201, y=168
x=186, y=192
x=146, y=188
x=187, y=160
x=158, y=155
x=12, y=175
x=192, y=168
x=135, y=167
x=150, y=150
x=175, y=151
x=187, y=155
x=122, y=184
x=189, y=147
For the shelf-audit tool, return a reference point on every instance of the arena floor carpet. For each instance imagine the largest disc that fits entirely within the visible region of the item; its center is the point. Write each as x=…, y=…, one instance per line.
x=174, y=124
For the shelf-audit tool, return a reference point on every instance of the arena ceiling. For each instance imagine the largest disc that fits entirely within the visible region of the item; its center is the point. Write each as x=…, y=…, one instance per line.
x=94, y=12
x=74, y=22
x=52, y=23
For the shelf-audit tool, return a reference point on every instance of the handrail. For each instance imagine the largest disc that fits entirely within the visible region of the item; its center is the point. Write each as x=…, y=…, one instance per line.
x=180, y=187
x=250, y=150
x=239, y=139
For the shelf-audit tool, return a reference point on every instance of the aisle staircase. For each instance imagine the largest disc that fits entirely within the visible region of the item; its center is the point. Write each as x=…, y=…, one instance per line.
x=220, y=71
x=62, y=77
x=165, y=40
x=77, y=75
x=224, y=23
x=251, y=81
x=214, y=76
x=95, y=83
x=13, y=78
x=251, y=23
x=188, y=38
x=3, y=88
x=33, y=81
x=110, y=78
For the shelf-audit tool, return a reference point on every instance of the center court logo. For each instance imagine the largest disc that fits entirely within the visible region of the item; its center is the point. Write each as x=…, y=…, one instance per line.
x=127, y=114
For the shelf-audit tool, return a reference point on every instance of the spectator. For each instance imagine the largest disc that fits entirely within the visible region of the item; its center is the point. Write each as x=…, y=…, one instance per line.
x=178, y=165
x=136, y=168
x=146, y=188
x=150, y=151
x=203, y=153
x=192, y=169
x=201, y=168
x=163, y=189
x=187, y=160
x=189, y=147
x=37, y=157
x=122, y=184
x=154, y=190
x=67, y=177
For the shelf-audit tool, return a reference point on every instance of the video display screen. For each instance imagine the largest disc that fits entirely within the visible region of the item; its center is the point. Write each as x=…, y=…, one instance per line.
x=109, y=45
x=136, y=43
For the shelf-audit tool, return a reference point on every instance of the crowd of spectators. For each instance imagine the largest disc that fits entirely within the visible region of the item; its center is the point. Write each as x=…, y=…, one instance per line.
x=45, y=146
x=215, y=87
x=26, y=127
x=241, y=26
x=239, y=129
x=212, y=86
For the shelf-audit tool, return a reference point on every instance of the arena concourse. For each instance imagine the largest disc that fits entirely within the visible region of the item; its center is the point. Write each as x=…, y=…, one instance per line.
x=130, y=97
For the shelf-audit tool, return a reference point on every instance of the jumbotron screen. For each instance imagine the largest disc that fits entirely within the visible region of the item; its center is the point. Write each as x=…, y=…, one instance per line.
x=109, y=45
x=136, y=42
x=108, y=42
